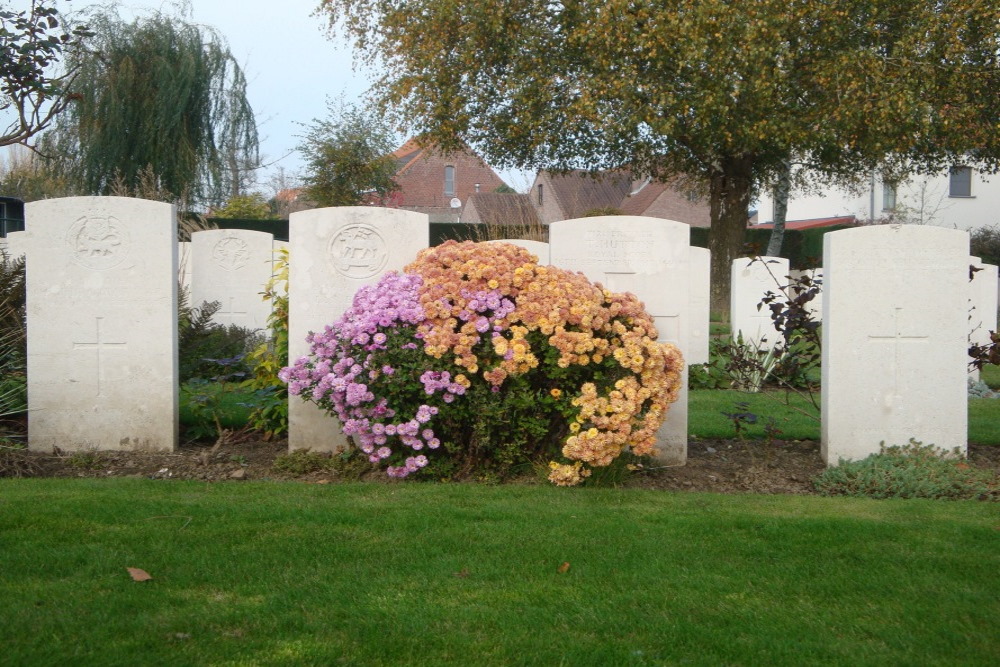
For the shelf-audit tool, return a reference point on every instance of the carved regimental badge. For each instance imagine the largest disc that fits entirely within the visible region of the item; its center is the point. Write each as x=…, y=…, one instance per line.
x=231, y=253
x=98, y=242
x=358, y=251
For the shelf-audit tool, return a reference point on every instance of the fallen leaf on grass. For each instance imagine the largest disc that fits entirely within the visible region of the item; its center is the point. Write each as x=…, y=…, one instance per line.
x=138, y=575
x=564, y=568
x=462, y=574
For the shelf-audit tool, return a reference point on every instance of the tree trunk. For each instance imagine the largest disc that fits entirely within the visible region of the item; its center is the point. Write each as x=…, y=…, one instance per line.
x=780, y=198
x=729, y=200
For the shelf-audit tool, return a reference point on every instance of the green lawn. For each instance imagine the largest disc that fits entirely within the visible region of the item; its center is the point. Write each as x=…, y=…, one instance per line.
x=706, y=418
x=991, y=376
x=260, y=574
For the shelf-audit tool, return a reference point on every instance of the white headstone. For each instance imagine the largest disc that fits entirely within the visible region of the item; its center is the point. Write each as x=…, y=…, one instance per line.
x=15, y=244
x=815, y=305
x=232, y=266
x=102, y=317
x=184, y=268
x=982, y=304
x=334, y=252
x=538, y=248
x=649, y=257
x=752, y=279
x=700, y=303
x=894, y=339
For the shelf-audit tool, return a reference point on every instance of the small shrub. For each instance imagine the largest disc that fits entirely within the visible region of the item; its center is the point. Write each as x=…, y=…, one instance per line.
x=712, y=375
x=271, y=414
x=913, y=470
x=477, y=353
x=979, y=389
x=203, y=344
x=303, y=462
x=13, y=339
x=85, y=459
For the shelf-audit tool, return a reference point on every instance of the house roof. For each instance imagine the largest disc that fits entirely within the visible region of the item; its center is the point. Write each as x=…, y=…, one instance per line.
x=406, y=154
x=580, y=191
x=638, y=202
x=813, y=223
x=503, y=208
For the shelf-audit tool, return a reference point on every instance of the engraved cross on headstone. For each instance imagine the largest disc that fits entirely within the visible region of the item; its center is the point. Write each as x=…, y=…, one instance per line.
x=762, y=319
x=896, y=340
x=232, y=313
x=100, y=346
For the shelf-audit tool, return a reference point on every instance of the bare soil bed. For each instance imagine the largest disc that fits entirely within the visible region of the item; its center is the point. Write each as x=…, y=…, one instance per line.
x=716, y=466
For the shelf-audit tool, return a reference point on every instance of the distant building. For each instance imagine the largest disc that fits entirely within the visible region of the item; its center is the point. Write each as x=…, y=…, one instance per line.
x=440, y=183
x=557, y=196
x=498, y=209
x=959, y=198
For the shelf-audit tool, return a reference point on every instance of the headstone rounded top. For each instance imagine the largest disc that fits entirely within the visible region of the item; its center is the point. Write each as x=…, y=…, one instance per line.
x=455, y=202
x=926, y=231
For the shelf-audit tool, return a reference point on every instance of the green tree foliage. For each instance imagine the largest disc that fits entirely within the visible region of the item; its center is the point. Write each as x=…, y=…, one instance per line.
x=161, y=94
x=348, y=158
x=32, y=89
x=29, y=176
x=723, y=92
x=244, y=207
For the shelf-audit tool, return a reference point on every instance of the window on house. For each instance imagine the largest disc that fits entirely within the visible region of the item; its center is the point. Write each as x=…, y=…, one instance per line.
x=888, y=196
x=961, y=182
x=540, y=195
x=449, y=180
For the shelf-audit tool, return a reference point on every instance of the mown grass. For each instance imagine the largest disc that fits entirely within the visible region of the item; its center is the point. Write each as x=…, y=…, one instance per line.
x=458, y=574
x=789, y=412
x=991, y=376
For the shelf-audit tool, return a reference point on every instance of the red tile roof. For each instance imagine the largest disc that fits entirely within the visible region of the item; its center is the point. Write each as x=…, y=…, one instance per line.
x=812, y=223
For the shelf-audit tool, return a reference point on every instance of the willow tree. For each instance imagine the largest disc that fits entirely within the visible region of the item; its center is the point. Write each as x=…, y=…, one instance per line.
x=724, y=92
x=157, y=95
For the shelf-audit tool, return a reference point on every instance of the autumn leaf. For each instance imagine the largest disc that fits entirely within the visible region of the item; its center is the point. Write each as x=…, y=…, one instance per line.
x=564, y=568
x=462, y=574
x=138, y=575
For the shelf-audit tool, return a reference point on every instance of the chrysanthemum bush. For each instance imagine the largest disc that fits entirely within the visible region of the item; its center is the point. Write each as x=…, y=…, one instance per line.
x=477, y=356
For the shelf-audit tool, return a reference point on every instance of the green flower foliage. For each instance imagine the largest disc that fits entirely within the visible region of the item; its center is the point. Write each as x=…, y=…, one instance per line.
x=913, y=470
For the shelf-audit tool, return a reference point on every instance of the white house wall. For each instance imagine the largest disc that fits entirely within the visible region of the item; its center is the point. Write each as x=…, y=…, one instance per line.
x=922, y=199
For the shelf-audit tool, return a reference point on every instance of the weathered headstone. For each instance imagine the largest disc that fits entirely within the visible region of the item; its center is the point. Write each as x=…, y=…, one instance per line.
x=894, y=339
x=14, y=244
x=649, y=257
x=752, y=279
x=184, y=268
x=815, y=305
x=232, y=266
x=333, y=253
x=538, y=248
x=700, y=304
x=982, y=304
x=102, y=317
